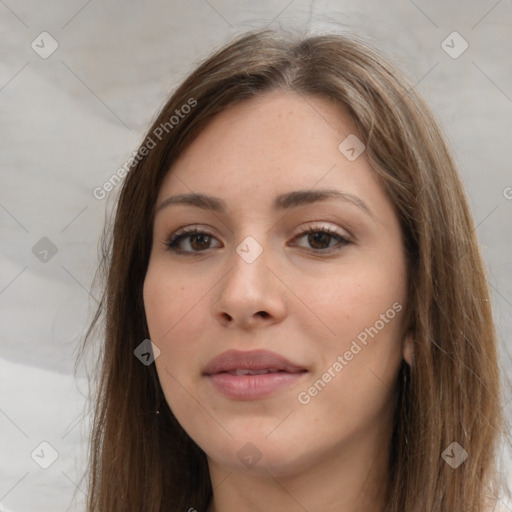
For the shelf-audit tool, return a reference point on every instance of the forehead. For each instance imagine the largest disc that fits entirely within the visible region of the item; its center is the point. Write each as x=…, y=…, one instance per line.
x=272, y=144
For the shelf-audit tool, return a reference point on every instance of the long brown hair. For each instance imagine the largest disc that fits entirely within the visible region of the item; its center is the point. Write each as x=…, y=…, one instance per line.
x=142, y=461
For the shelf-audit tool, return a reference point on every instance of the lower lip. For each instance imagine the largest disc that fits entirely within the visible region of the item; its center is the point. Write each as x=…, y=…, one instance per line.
x=252, y=387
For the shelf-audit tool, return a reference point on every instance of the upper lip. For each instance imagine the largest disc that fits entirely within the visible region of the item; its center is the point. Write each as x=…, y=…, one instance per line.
x=250, y=360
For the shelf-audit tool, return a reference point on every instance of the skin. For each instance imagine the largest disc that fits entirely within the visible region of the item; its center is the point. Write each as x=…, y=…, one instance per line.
x=331, y=453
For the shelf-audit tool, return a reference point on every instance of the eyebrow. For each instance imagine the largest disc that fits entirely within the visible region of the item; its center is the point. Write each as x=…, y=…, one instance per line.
x=282, y=202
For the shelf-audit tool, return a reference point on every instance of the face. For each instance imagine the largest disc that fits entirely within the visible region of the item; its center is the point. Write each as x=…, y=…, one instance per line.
x=295, y=250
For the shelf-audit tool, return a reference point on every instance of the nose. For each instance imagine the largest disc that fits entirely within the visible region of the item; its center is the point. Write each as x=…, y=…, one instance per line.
x=250, y=295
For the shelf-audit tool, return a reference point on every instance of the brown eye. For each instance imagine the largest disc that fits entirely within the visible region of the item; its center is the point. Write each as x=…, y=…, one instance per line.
x=319, y=240
x=322, y=240
x=191, y=241
x=199, y=242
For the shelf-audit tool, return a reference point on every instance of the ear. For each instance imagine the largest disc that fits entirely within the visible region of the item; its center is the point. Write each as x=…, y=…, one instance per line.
x=409, y=349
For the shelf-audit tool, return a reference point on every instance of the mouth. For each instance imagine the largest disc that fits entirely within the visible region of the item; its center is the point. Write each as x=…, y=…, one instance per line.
x=245, y=371
x=252, y=375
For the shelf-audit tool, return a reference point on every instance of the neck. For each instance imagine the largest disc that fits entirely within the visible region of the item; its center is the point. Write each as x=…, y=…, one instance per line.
x=348, y=479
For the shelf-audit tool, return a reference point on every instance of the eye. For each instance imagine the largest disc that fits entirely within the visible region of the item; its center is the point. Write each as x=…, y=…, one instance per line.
x=321, y=239
x=194, y=240
x=191, y=240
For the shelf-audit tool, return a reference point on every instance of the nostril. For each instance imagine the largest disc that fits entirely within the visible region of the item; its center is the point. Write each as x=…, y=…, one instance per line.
x=264, y=314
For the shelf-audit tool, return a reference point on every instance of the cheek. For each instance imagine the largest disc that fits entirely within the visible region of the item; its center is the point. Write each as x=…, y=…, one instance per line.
x=353, y=386
x=361, y=310
x=175, y=313
x=352, y=300
x=176, y=318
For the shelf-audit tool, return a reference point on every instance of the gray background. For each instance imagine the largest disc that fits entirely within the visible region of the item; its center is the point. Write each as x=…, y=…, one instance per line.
x=69, y=121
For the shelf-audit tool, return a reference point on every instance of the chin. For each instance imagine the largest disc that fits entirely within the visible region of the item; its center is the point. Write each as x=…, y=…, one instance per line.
x=258, y=455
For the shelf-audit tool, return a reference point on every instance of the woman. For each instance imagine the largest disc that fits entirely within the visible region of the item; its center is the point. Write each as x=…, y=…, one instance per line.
x=296, y=243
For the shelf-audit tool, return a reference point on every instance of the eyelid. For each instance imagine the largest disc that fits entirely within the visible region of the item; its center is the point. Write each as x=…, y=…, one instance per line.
x=323, y=226
x=192, y=228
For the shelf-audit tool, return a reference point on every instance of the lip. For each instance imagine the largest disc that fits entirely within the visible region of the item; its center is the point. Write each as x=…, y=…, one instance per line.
x=251, y=387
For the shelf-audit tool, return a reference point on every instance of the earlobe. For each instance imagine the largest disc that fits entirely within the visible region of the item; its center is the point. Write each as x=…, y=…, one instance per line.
x=409, y=350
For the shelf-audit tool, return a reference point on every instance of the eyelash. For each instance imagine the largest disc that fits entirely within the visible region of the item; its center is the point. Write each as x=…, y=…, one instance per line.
x=172, y=242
